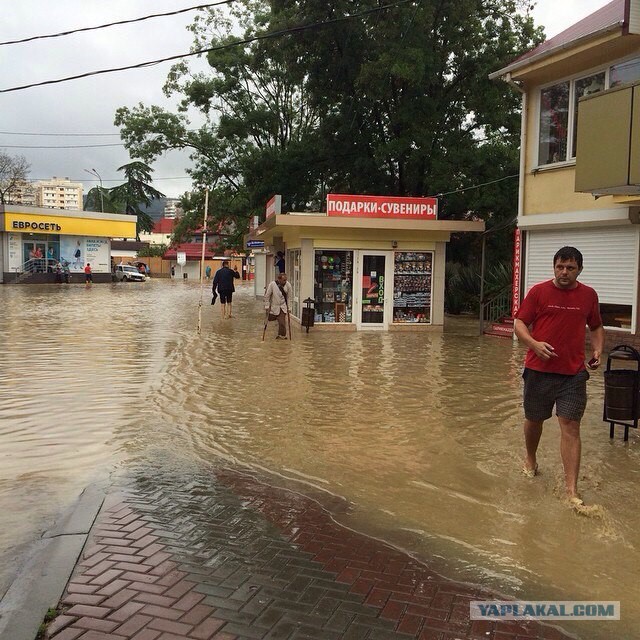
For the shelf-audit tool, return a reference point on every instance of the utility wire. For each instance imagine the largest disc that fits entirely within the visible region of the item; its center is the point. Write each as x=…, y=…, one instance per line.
x=60, y=135
x=235, y=43
x=70, y=146
x=477, y=186
x=113, y=24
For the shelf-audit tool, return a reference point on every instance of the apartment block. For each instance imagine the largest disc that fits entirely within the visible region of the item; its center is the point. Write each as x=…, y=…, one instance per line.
x=59, y=193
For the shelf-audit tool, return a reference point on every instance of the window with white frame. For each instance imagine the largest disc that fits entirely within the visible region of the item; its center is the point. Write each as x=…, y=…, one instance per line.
x=558, y=125
x=559, y=117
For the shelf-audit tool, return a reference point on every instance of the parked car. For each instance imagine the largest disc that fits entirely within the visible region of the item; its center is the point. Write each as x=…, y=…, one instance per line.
x=126, y=272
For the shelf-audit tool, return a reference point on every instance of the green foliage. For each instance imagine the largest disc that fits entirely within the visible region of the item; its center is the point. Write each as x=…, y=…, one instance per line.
x=462, y=285
x=128, y=196
x=153, y=250
x=462, y=288
x=396, y=102
x=100, y=199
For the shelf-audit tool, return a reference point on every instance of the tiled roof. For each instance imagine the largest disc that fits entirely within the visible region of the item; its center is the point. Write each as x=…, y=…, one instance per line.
x=611, y=15
x=192, y=249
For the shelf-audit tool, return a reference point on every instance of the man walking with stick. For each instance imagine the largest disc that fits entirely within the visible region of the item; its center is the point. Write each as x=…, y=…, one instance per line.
x=276, y=305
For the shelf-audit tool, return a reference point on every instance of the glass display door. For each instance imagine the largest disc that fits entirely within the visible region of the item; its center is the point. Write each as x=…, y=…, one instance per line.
x=374, y=281
x=34, y=254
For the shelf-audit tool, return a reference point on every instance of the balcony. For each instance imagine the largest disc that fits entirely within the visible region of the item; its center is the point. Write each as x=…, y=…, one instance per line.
x=608, y=151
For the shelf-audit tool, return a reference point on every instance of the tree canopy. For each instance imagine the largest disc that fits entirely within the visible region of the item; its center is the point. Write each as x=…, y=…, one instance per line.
x=128, y=196
x=395, y=101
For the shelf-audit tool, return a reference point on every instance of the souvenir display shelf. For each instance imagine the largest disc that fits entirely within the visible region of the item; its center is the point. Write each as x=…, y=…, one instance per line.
x=333, y=286
x=412, y=287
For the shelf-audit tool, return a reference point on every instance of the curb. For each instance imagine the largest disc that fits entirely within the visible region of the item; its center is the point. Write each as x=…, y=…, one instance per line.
x=42, y=580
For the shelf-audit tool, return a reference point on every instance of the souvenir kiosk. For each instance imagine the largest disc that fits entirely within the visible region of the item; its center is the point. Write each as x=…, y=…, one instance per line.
x=369, y=262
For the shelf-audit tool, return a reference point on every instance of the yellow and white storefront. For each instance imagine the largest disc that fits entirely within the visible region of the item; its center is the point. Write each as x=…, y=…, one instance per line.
x=34, y=240
x=364, y=267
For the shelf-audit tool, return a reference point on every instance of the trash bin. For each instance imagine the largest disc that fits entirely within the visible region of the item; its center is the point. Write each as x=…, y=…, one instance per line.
x=622, y=390
x=308, y=313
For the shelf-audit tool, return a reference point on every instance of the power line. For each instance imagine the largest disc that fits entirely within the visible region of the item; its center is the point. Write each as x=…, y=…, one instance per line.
x=70, y=146
x=266, y=36
x=113, y=24
x=477, y=186
x=60, y=135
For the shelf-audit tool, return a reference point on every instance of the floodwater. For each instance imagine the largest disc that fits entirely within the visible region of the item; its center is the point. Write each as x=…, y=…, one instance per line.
x=420, y=432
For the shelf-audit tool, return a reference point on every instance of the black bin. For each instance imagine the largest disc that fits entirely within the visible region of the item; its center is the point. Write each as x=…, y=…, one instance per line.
x=620, y=387
x=307, y=318
x=622, y=390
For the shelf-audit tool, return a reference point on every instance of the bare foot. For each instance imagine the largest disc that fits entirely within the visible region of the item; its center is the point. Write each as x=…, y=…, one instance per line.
x=530, y=472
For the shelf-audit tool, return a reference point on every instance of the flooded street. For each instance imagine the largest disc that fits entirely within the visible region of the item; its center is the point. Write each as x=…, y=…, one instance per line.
x=420, y=432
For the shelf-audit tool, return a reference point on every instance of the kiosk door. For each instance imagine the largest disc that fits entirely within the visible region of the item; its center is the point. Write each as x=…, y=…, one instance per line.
x=374, y=289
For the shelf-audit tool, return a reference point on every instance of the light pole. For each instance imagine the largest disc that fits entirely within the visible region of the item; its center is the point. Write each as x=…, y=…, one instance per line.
x=93, y=172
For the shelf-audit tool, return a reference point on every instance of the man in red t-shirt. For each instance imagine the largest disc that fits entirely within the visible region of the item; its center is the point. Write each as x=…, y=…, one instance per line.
x=88, y=276
x=551, y=322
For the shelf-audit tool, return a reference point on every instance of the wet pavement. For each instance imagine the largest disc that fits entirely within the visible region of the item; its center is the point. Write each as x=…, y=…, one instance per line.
x=224, y=555
x=419, y=433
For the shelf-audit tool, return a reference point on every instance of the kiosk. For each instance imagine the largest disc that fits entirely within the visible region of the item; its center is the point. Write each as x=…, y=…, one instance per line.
x=369, y=262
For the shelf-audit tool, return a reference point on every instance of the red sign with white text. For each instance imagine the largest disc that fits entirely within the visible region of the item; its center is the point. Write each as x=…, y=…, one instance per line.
x=274, y=206
x=515, y=296
x=382, y=207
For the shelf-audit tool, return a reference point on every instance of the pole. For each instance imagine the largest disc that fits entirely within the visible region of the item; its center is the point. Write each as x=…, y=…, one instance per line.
x=484, y=244
x=93, y=172
x=204, y=241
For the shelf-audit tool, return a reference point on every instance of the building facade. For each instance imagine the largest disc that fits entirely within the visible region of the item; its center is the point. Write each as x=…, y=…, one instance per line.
x=36, y=242
x=571, y=139
x=58, y=193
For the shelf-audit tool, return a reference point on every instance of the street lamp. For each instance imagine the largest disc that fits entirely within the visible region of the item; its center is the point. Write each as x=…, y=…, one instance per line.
x=93, y=172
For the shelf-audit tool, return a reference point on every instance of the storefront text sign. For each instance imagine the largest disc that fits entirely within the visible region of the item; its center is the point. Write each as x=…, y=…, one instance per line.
x=274, y=206
x=382, y=207
x=72, y=225
x=515, y=297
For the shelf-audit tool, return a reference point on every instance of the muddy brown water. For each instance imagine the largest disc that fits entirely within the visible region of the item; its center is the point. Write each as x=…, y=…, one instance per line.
x=421, y=432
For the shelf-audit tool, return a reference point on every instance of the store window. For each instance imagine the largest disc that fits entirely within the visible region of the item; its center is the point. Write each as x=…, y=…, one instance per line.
x=293, y=266
x=412, y=287
x=624, y=72
x=333, y=286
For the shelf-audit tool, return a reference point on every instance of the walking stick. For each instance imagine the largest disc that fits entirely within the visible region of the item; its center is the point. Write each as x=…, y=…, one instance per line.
x=266, y=320
x=288, y=318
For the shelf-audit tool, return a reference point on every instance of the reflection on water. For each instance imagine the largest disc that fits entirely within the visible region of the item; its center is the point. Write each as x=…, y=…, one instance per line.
x=421, y=432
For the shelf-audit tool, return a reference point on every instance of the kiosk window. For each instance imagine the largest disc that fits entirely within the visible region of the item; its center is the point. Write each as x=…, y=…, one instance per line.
x=333, y=286
x=412, y=287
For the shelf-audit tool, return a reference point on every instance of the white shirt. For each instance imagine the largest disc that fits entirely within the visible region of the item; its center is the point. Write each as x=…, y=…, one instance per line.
x=274, y=301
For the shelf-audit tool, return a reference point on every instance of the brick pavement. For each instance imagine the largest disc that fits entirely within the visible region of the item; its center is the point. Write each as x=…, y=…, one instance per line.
x=228, y=557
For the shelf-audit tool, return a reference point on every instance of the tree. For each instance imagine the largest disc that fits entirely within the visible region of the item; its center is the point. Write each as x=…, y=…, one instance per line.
x=136, y=191
x=258, y=135
x=100, y=199
x=395, y=102
x=13, y=172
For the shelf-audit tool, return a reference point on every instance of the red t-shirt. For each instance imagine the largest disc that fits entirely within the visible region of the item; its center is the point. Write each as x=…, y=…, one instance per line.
x=87, y=269
x=559, y=316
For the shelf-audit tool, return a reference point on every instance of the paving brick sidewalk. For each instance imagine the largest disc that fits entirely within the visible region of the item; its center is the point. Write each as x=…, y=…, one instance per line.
x=228, y=557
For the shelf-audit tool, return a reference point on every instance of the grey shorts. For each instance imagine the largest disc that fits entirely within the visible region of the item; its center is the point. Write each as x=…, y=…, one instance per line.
x=543, y=390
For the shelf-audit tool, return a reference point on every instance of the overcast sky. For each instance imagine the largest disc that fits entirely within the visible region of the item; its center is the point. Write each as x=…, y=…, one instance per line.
x=87, y=106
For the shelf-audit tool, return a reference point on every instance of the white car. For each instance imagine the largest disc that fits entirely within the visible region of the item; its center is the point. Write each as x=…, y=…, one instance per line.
x=126, y=272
